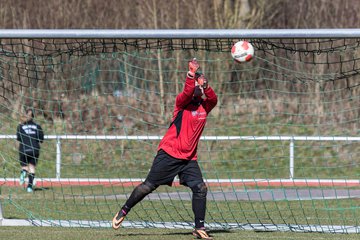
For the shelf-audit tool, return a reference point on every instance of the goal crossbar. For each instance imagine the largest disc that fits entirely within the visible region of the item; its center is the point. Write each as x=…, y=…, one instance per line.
x=179, y=33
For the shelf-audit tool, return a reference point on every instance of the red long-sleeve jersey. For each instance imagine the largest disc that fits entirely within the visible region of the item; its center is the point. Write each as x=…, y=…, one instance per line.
x=188, y=122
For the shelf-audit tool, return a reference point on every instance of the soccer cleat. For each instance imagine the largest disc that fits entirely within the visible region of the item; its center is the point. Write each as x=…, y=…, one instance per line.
x=29, y=189
x=22, y=177
x=201, y=233
x=118, y=219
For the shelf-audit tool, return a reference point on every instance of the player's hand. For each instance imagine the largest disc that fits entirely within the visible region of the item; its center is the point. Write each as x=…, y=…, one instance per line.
x=202, y=81
x=193, y=66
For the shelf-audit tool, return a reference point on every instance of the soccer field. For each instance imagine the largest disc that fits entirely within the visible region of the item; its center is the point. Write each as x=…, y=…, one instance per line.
x=97, y=203
x=96, y=207
x=42, y=233
x=279, y=153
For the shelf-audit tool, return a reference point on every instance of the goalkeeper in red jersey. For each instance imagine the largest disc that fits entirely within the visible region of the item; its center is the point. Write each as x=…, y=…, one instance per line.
x=177, y=151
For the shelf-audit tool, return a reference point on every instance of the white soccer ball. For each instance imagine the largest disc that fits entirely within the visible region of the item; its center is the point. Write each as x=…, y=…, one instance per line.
x=242, y=51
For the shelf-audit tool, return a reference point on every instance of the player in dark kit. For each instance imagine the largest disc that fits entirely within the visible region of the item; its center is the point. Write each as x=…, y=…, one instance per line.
x=177, y=151
x=30, y=135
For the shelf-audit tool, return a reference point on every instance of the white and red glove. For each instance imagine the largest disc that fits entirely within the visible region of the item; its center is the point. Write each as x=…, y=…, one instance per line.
x=193, y=67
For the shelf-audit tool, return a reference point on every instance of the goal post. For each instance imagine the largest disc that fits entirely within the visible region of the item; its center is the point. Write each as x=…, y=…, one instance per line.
x=110, y=95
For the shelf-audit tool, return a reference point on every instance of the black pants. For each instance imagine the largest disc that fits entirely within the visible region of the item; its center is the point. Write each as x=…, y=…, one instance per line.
x=165, y=168
x=28, y=157
x=163, y=171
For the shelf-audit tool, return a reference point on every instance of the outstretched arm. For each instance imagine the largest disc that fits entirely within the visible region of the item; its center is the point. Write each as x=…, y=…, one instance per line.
x=184, y=98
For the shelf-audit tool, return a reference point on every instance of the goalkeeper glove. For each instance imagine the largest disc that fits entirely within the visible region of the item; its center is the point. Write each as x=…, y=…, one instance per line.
x=202, y=81
x=193, y=67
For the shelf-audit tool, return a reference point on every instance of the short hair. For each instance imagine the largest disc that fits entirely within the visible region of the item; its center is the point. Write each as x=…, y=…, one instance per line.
x=30, y=110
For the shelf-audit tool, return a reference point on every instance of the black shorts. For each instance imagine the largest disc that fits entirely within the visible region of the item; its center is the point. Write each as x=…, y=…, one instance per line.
x=29, y=158
x=165, y=168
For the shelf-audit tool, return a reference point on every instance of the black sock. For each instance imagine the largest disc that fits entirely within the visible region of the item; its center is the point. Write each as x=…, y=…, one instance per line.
x=199, y=209
x=31, y=179
x=125, y=209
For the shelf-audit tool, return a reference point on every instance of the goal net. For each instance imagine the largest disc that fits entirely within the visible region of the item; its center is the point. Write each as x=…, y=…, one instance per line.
x=279, y=152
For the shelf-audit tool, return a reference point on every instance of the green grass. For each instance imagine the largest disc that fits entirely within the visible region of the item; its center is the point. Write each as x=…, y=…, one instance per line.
x=98, y=203
x=221, y=159
x=51, y=233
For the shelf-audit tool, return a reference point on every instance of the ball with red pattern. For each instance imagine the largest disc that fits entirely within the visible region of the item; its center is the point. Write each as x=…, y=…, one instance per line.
x=242, y=51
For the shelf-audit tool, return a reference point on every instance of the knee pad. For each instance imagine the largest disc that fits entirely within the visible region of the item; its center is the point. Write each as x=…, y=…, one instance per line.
x=147, y=187
x=199, y=191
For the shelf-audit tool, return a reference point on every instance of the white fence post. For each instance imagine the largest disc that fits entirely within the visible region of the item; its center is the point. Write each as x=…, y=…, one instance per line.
x=58, y=157
x=291, y=158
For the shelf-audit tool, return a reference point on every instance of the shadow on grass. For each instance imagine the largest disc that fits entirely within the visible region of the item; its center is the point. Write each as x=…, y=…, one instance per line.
x=151, y=234
x=42, y=189
x=184, y=233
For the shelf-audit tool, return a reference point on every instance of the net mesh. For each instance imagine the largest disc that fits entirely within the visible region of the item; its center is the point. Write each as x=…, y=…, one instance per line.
x=88, y=92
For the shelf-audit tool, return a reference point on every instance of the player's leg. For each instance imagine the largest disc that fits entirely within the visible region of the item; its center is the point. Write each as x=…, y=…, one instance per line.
x=31, y=177
x=199, y=203
x=138, y=194
x=191, y=176
x=32, y=160
x=199, y=209
x=163, y=171
x=24, y=168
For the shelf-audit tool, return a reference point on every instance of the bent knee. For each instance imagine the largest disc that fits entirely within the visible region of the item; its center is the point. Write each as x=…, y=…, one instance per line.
x=199, y=191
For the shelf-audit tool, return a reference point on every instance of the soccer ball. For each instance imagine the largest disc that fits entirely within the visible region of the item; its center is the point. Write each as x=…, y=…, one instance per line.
x=242, y=51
